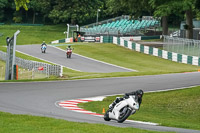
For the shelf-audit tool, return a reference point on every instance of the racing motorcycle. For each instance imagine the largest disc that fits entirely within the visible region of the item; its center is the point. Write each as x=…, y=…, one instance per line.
x=122, y=110
x=69, y=53
x=44, y=48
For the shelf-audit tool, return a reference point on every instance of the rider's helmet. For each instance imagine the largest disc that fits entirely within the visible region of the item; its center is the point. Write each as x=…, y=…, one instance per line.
x=139, y=93
x=69, y=46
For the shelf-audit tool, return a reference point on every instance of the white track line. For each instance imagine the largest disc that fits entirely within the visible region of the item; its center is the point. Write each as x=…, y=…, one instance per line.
x=72, y=105
x=99, y=61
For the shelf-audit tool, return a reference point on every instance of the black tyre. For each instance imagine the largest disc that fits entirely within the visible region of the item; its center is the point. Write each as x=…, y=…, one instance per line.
x=124, y=116
x=106, y=116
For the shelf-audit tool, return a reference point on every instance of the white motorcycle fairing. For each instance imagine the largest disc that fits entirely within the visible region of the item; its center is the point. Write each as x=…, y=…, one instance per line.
x=115, y=112
x=122, y=108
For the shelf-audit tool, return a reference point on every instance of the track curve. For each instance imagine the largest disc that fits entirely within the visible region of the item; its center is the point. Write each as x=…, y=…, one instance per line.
x=38, y=98
x=77, y=62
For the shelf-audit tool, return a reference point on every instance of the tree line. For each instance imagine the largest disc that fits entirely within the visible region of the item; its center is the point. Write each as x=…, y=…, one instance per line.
x=85, y=11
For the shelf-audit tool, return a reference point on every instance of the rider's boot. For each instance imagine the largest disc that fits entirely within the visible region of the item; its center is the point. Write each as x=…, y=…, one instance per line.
x=112, y=105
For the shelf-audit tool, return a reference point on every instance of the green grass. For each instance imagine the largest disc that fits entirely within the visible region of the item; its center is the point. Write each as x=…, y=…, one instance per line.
x=174, y=108
x=33, y=34
x=178, y=108
x=31, y=124
x=2, y=70
x=145, y=64
x=67, y=73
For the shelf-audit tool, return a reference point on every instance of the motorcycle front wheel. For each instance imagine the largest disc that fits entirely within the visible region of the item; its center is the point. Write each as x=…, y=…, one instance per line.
x=124, y=116
x=106, y=116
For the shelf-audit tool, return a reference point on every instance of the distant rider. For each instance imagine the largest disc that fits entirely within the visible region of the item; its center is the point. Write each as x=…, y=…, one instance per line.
x=138, y=96
x=69, y=48
x=43, y=44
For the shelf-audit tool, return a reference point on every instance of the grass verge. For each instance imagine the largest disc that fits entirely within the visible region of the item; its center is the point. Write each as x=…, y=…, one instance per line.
x=2, y=70
x=177, y=108
x=145, y=64
x=110, y=53
x=31, y=124
x=32, y=34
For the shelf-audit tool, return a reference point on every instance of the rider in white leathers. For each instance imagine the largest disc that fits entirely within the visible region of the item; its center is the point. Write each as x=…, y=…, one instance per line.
x=138, y=95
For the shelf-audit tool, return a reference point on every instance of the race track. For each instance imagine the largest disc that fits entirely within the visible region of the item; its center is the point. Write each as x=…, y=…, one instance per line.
x=39, y=98
x=77, y=62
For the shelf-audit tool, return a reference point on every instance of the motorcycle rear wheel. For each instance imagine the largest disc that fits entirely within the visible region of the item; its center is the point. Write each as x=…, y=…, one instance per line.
x=124, y=116
x=106, y=116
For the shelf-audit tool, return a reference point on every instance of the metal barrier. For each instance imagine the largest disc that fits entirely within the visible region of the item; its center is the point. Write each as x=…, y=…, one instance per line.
x=182, y=46
x=177, y=57
x=36, y=66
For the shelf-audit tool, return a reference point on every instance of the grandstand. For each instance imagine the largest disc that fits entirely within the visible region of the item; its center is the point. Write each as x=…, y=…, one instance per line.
x=121, y=26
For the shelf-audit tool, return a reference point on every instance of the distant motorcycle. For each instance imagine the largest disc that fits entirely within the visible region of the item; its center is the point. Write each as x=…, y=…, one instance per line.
x=43, y=49
x=69, y=53
x=123, y=109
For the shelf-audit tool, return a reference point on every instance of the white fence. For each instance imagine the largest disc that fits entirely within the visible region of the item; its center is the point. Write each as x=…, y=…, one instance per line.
x=181, y=45
x=35, y=66
x=173, y=56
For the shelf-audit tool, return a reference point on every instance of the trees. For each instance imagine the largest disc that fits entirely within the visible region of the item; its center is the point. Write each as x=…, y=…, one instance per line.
x=75, y=11
x=84, y=11
x=40, y=6
x=165, y=8
x=186, y=6
x=3, y=4
x=21, y=3
x=132, y=7
x=161, y=10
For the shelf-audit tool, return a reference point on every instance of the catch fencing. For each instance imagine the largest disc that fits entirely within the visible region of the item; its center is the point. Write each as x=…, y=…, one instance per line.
x=35, y=66
x=173, y=56
x=182, y=46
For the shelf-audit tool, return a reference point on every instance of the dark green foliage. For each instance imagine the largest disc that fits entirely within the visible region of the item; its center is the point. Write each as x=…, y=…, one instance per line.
x=85, y=11
x=3, y=4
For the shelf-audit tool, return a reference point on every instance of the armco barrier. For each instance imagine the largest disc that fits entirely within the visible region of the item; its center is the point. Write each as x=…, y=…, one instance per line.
x=193, y=60
x=27, y=64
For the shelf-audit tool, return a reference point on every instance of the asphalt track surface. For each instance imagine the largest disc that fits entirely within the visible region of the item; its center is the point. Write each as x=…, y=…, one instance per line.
x=39, y=98
x=77, y=62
